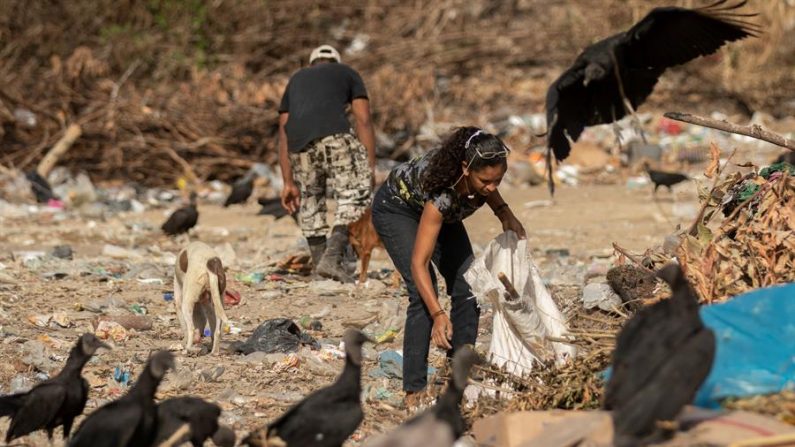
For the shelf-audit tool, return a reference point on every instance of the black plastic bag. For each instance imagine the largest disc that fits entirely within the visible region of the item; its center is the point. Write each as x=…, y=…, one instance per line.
x=276, y=335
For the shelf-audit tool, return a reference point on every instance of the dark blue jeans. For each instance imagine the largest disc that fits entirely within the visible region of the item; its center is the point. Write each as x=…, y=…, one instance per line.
x=397, y=224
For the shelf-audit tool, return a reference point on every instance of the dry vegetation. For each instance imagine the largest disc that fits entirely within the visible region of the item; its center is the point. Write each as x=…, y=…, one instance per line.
x=157, y=81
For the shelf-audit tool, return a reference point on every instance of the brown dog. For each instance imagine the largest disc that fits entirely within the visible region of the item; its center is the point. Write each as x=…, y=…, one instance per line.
x=364, y=239
x=199, y=284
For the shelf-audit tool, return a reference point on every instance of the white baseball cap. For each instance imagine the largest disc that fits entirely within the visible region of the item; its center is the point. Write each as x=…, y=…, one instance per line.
x=326, y=52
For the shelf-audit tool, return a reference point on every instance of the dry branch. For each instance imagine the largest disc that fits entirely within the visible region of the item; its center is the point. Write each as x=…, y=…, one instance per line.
x=509, y=288
x=753, y=130
x=51, y=159
x=631, y=257
x=186, y=167
x=172, y=440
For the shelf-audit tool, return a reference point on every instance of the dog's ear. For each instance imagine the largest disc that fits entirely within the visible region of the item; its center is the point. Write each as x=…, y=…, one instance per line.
x=183, y=261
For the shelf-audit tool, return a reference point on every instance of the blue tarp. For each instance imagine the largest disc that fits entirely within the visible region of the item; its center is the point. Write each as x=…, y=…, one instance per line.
x=755, y=335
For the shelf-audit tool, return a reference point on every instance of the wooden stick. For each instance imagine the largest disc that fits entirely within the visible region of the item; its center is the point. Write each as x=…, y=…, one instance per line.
x=172, y=440
x=186, y=167
x=597, y=319
x=753, y=130
x=513, y=295
x=61, y=146
x=560, y=340
x=5, y=171
x=631, y=257
x=767, y=441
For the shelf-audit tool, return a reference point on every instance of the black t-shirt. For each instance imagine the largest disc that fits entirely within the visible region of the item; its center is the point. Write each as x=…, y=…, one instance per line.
x=316, y=98
x=405, y=183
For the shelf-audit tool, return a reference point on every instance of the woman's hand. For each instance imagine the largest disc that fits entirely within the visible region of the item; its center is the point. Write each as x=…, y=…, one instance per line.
x=504, y=213
x=510, y=222
x=442, y=332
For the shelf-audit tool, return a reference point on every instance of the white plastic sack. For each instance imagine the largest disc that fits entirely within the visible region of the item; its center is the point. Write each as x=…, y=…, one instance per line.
x=521, y=326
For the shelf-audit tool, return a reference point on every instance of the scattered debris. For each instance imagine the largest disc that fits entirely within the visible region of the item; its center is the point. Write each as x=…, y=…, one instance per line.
x=602, y=296
x=754, y=245
x=62, y=252
x=111, y=330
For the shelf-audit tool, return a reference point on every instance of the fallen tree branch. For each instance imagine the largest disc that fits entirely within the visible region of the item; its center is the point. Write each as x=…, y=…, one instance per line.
x=753, y=130
x=61, y=146
x=186, y=167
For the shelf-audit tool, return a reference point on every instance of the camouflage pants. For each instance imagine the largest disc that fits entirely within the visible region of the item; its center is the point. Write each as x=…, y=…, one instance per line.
x=341, y=160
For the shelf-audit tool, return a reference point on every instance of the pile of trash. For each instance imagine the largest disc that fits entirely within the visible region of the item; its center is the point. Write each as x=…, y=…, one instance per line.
x=754, y=245
x=539, y=358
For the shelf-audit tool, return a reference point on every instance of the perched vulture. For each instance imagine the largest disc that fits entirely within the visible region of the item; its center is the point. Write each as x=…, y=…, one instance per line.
x=54, y=402
x=663, y=354
x=130, y=421
x=328, y=416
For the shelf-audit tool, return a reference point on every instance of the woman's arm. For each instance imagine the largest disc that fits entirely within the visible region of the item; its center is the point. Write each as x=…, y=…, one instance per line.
x=424, y=244
x=504, y=213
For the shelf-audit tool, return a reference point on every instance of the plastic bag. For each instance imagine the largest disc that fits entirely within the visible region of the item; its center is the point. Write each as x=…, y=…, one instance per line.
x=755, y=352
x=521, y=326
x=276, y=335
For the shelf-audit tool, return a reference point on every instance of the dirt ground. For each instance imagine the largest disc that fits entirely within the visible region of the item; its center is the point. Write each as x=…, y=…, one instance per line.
x=254, y=389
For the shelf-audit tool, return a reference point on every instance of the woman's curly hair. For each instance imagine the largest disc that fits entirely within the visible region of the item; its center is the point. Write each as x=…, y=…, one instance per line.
x=444, y=168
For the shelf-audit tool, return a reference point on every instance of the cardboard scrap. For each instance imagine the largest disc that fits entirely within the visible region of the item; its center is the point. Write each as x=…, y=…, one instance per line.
x=561, y=428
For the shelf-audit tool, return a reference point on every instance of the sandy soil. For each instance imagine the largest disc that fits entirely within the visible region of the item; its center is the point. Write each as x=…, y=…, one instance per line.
x=585, y=220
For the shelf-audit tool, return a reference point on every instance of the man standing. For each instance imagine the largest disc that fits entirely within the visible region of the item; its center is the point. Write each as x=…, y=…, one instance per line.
x=316, y=144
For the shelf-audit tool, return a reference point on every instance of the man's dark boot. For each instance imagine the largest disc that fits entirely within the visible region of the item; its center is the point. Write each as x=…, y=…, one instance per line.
x=330, y=265
x=317, y=246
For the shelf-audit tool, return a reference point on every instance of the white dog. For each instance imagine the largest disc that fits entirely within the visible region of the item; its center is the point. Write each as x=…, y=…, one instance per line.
x=199, y=284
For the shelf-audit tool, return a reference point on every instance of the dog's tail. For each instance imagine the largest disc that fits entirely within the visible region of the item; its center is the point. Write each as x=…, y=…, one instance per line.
x=217, y=280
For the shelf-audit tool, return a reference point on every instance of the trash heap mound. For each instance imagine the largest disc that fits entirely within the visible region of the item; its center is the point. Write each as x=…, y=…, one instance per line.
x=754, y=245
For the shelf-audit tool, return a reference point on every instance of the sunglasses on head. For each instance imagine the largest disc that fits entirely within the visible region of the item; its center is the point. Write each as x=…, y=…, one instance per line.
x=488, y=156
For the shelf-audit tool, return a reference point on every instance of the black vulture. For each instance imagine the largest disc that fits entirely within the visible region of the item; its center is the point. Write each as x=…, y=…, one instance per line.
x=662, y=178
x=183, y=219
x=54, y=402
x=662, y=356
x=589, y=92
x=442, y=424
x=328, y=416
x=130, y=421
x=272, y=207
x=241, y=189
x=200, y=415
x=40, y=187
